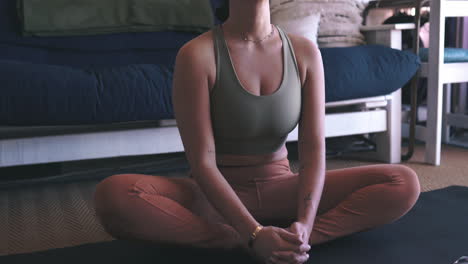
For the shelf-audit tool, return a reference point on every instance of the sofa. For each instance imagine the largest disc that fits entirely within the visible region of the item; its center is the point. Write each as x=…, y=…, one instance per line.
x=102, y=96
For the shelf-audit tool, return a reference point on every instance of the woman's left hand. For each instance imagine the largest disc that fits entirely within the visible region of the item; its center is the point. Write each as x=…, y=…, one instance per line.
x=302, y=230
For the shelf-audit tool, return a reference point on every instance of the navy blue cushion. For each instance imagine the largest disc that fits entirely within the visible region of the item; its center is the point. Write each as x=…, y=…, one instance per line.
x=41, y=94
x=80, y=59
x=365, y=71
x=44, y=94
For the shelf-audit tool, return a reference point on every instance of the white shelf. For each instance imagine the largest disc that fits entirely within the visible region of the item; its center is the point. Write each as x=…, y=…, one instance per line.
x=450, y=72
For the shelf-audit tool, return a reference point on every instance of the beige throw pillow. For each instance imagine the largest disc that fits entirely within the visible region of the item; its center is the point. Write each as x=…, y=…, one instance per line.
x=340, y=20
x=299, y=22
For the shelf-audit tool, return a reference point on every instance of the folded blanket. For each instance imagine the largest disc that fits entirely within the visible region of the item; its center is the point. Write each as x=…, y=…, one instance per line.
x=91, y=17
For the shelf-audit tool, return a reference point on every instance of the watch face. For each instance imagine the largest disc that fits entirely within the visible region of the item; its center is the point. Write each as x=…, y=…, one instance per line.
x=461, y=260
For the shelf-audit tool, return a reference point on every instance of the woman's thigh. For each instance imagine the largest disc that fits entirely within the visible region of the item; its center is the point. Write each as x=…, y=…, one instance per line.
x=396, y=182
x=279, y=197
x=116, y=195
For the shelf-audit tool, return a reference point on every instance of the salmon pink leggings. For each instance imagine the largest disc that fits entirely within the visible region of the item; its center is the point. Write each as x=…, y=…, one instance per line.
x=175, y=211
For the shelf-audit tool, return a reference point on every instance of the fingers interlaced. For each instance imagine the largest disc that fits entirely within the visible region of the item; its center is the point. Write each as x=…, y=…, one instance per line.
x=293, y=243
x=290, y=237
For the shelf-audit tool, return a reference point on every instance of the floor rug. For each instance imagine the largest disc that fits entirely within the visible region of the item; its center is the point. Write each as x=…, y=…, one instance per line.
x=434, y=231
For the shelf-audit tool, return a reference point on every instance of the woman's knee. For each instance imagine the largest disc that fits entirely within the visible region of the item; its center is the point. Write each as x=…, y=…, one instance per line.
x=110, y=191
x=408, y=185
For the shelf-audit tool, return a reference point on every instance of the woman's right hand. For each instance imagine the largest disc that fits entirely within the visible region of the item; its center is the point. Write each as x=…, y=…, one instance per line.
x=277, y=245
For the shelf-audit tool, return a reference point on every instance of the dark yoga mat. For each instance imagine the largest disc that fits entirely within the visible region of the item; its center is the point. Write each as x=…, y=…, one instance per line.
x=434, y=231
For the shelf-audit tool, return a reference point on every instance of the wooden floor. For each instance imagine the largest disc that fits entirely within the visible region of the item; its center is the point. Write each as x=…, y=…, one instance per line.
x=53, y=215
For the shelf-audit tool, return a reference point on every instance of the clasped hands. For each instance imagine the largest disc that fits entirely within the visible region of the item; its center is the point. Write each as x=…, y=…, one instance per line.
x=275, y=245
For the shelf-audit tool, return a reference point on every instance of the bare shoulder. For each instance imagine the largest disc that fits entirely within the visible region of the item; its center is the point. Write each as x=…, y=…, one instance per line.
x=307, y=53
x=304, y=47
x=196, y=59
x=198, y=51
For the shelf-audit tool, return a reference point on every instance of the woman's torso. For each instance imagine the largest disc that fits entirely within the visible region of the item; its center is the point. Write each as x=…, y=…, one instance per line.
x=253, y=67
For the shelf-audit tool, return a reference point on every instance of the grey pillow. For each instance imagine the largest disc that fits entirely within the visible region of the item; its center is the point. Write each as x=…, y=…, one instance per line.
x=91, y=17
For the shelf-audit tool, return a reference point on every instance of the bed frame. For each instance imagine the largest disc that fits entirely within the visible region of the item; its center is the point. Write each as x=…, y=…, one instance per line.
x=380, y=116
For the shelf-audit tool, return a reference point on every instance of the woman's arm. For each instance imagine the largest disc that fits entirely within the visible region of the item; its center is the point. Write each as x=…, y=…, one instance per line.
x=311, y=142
x=191, y=103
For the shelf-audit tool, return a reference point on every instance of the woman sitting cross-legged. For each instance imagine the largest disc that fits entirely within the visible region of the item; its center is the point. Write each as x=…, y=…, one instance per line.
x=238, y=90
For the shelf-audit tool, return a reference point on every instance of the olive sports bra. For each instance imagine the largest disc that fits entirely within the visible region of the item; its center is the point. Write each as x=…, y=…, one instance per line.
x=247, y=124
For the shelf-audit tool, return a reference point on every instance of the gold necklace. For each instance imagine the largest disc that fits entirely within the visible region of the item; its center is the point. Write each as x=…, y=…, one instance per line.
x=256, y=41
